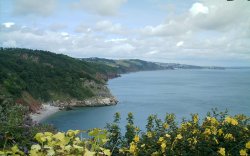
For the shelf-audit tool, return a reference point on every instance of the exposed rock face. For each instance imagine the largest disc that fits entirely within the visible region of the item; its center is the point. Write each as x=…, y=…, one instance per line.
x=91, y=102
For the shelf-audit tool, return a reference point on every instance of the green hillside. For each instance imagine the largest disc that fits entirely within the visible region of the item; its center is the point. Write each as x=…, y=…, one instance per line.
x=48, y=76
x=127, y=65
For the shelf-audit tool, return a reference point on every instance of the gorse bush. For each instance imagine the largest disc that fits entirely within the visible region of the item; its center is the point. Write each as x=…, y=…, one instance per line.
x=217, y=134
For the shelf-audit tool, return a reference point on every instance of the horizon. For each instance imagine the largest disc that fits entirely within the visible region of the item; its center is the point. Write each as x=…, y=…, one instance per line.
x=196, y=32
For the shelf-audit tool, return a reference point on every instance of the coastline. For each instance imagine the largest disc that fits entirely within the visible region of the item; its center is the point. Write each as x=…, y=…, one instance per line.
x=45, y=111
x=48, y=109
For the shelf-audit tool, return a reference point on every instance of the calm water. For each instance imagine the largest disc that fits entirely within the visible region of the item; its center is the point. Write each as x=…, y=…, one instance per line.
x=156, y=92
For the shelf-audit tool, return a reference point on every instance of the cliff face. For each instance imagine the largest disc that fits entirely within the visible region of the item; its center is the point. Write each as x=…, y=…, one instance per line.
x=102, y=97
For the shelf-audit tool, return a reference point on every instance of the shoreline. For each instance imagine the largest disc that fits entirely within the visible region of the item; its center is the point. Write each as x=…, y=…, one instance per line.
x=48, y=109
x=45, y=111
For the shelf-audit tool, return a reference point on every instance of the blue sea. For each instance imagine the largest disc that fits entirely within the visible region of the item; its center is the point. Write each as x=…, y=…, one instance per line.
x=165, y=91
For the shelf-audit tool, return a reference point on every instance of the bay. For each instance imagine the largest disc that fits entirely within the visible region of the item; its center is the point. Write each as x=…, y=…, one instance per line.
x=165, y=91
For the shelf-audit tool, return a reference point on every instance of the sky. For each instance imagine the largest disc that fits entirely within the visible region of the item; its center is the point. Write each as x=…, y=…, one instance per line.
x=198, y=32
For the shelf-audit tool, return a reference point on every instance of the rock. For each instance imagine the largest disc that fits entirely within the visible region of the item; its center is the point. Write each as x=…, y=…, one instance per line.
x=90, y=102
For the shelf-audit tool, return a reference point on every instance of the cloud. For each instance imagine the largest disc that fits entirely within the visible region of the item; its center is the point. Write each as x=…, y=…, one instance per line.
x=8, y=24
x=179, y=43
x=198, y=8
x=205, y=31
x=9, y=43
x=108, y=26
x=103, y=7
x=116, y=40
x=34, y=7
x=57, y=26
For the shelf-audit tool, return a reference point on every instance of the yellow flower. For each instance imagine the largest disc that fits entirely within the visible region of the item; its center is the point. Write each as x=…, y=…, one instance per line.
x=207, y=131
x=248, y=145
x=214, y=121
x=220, y=132
x=231, y=121
x=229, y=136
x=243, y=152
x=143, y=145
x=71, y=133
x=167, y=135
x=163, y=146
x=234, y=122
x=222, y=151
x=149, y=134
x=160, y=139
x=136, y=138
x=179, y=136
x=132, y=147
x=165, y=125
x=195, y=118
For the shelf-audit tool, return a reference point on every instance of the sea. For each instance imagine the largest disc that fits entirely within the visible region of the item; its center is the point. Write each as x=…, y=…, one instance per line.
x=182, y=92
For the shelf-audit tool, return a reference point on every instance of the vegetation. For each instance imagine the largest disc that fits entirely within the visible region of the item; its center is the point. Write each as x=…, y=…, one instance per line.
x=47, y=76
x=127, y=65
x=217, y=134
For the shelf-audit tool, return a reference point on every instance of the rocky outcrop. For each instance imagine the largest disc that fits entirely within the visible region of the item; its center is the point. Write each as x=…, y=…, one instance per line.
x=90, y=102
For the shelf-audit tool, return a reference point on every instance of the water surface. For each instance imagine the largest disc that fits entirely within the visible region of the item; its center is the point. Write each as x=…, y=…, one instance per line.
x=156, y=92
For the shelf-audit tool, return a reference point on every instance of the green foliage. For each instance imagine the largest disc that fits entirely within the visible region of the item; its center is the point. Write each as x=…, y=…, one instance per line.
x=115, y=136
x=48, y=76
x=217, y=134
x=130, y=128
x=69, y=143
x=15, y=125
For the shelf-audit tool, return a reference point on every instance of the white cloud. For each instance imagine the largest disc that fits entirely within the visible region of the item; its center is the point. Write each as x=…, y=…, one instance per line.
x=108, y=26
x=179, y=43
x=8, y=24
x=9, y=43
x=64, y=34
x=103, y=7
x=198, y=8
x=34, y=7
x=116, y=40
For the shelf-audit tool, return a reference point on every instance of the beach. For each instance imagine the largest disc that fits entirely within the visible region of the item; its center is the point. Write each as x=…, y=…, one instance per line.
x=45, y=112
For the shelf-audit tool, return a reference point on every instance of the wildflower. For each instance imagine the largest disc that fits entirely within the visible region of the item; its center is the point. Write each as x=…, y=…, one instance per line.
x=160, y=139
x=213, y=130
x=243, y=152
x=222, y=151
x=136, y=138
x=195, y=118
x=143, y=145
x=167, y=135
x=149, y=134
x=220, y=132
x=165, y=125
x=231, y=121
x=248, y=145
x=214, y=121
x=229, y=136
x=132, y=147
x=179, y=136
x=163, y=146
x=207, y=131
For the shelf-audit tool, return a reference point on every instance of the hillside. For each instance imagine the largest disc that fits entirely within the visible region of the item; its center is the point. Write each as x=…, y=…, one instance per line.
x=46, y=76
x=127, y=65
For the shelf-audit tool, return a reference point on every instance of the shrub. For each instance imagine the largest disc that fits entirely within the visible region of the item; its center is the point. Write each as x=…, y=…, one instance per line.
x=217, y=134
